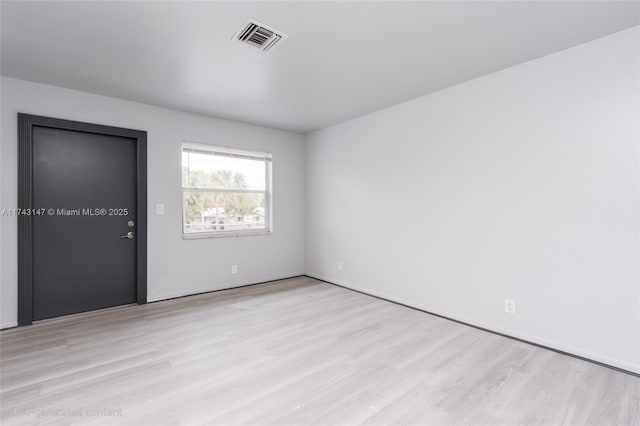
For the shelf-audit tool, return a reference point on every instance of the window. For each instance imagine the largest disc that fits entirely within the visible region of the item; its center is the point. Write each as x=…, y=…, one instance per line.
x=222, y=186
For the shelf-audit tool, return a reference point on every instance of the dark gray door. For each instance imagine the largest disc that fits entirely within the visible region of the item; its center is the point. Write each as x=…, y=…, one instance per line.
x=87, y=184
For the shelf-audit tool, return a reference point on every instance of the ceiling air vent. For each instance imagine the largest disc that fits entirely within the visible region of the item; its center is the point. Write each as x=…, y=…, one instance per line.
x=259, y=35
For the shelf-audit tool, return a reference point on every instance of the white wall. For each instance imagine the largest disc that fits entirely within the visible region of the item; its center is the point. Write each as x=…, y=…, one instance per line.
x=521, y=184
x=175, y=267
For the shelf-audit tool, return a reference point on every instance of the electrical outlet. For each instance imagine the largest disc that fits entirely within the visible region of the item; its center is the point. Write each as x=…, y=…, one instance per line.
x=159, y=208
x=234, y=269
x=510, y=306
x=340, y=266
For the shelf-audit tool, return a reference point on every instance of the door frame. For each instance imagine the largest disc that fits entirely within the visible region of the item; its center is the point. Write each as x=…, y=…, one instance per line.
x=26, y=122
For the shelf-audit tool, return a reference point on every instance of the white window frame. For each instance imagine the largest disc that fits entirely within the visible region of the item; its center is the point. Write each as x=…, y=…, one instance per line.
x=236, y=153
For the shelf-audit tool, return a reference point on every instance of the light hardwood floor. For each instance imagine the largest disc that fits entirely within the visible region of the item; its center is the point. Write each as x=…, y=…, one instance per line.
x=297, y=351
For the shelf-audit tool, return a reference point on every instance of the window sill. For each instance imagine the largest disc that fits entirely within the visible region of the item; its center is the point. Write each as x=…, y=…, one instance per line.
x=201, y=235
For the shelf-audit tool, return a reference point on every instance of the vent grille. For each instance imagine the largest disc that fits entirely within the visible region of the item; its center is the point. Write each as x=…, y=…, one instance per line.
x=259, y=35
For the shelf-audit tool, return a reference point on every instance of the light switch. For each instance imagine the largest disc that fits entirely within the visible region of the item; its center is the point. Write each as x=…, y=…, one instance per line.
x=159, y=208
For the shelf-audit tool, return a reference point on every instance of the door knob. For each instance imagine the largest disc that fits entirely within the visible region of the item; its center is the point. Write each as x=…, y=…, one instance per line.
x=130, y=235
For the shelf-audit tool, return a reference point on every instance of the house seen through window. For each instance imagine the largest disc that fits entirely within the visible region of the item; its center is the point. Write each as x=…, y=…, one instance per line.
x=225, y=191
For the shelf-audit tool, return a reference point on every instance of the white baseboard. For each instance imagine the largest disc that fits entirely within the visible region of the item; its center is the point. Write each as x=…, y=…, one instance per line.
x=222, y=286
x=191, y=292
x=635, y=368
x=9, y=324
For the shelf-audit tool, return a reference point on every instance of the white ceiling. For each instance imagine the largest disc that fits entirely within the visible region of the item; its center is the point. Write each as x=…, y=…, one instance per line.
x=341, y=60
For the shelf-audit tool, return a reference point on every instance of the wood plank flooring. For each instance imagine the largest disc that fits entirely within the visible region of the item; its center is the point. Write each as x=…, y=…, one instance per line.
x=294, y=352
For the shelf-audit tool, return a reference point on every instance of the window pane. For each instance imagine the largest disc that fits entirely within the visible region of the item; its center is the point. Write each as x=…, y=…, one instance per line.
x=223, y=211
x=203, y=170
